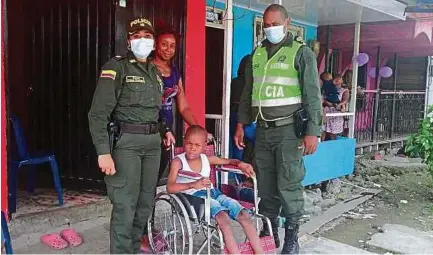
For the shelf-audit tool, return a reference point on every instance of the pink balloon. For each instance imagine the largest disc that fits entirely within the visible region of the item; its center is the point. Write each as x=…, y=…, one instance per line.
x=362, y=59
x=385, y=71
x=372, y=72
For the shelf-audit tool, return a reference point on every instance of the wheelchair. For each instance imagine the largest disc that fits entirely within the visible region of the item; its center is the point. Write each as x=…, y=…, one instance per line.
x=178, y=219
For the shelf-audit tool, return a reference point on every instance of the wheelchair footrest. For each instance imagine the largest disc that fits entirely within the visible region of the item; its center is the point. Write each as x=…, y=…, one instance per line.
x=267, y=243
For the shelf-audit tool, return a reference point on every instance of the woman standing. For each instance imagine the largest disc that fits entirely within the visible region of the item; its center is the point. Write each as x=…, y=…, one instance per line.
x=165, y=49
x=334, y=125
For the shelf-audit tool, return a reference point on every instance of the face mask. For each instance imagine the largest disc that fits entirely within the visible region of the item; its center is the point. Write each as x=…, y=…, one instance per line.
x=142, y=47
x=275, y=34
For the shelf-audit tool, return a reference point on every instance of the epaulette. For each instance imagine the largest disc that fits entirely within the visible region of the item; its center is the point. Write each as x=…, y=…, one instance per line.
x=118, y=58
x=300, y=40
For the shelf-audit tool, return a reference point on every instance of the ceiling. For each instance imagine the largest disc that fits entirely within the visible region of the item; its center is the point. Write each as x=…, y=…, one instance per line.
x=411, y=38
x=333, y=12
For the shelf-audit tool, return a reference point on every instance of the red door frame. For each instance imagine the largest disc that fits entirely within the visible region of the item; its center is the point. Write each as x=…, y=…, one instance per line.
x=4, y=188
x=195, y=58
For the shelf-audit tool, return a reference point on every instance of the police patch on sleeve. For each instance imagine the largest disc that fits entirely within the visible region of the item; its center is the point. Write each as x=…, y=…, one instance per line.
x=110, y=74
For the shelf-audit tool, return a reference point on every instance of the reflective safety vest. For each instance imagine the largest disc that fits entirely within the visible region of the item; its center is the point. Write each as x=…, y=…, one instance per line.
x=276, y=81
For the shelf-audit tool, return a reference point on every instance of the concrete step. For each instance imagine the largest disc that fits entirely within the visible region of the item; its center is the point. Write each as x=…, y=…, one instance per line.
x=319, y=245
x=403, y=239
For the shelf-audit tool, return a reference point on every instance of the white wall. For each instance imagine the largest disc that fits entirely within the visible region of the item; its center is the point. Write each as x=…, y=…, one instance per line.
x=429, y=81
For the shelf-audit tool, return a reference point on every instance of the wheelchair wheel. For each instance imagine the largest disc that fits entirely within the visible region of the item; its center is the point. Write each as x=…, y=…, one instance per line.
x=169, y=228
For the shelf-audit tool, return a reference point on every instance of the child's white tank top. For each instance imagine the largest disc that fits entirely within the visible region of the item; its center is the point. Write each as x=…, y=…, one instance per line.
x=205, y=171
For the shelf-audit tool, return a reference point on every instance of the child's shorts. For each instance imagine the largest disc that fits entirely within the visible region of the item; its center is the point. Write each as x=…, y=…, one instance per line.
x=220, y=202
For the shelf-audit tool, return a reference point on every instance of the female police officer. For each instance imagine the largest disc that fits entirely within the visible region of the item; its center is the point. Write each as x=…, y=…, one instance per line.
x=129, y=93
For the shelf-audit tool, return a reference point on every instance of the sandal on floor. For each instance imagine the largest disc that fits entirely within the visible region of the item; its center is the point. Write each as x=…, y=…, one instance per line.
x=54, y=241
x=71, y=236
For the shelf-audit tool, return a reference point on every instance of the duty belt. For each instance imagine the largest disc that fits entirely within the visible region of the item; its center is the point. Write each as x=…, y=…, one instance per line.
x=275, y=123
x=146, y=129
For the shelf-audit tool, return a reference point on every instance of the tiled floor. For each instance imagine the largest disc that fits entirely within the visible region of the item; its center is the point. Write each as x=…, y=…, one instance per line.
x=46, y=199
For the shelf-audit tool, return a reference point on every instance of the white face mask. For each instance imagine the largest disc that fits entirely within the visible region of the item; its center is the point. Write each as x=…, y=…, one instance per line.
x=142, y=47
x=275, y=34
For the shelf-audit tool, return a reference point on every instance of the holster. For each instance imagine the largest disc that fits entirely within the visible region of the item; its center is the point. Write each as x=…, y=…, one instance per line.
x=114, y=131
x=300, y=121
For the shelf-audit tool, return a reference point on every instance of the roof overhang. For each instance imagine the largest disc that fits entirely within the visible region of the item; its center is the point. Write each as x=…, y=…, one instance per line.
x=333, y=12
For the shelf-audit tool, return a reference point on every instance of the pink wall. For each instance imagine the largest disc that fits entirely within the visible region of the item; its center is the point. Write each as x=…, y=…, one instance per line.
x=364, y=117
x=411, y=38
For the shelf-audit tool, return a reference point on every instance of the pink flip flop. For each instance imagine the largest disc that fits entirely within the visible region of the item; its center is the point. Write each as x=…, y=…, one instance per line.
x=54, y=241
x=71, y=236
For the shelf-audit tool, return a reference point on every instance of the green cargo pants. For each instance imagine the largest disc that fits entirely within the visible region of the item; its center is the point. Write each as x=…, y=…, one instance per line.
x=131, y=190
x=278, y=158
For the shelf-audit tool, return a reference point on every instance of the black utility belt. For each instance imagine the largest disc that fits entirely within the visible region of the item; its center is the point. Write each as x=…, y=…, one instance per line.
x=299, y=119
x=146, y=129
x=275, y=123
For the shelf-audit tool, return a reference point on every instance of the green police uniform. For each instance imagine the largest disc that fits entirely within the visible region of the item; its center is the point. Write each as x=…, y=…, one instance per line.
x=130, y=93
x=281, y=79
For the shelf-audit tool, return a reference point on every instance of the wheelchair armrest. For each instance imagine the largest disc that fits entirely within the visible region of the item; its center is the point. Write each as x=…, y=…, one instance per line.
x=230, y=169
x=235, y=170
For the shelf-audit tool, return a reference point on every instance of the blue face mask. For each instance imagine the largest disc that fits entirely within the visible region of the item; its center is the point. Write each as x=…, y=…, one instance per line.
x=274, y=34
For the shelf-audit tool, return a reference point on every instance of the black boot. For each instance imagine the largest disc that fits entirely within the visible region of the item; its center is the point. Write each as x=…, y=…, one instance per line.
x=265, y=231
x=291, y=245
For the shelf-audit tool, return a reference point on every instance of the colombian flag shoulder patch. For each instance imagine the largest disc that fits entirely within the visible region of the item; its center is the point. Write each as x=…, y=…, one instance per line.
x=110, y=74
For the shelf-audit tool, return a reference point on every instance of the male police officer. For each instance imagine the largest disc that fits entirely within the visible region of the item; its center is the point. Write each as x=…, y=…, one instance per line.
x=281, y=79
x=129, y=93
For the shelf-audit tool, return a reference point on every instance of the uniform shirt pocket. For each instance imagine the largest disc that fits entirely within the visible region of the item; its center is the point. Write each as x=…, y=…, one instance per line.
x=137, y=94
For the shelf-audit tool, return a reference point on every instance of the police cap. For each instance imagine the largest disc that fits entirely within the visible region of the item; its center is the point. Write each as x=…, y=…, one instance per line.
x=138, y=24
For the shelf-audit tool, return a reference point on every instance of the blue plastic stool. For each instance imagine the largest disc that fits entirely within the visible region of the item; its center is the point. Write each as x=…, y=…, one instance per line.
x=6, y=238
x=25, y=159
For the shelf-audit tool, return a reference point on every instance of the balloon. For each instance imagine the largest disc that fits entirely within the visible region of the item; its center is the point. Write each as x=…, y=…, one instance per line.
x=385, y=71
x=372, y=72
x=362, y=59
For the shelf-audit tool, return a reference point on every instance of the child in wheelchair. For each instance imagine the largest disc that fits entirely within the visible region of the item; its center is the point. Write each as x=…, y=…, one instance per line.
x=222, y=208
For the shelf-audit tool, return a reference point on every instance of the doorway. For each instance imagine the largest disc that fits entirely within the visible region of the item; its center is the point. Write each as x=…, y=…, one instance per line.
x=63, y=49
x=214, y=81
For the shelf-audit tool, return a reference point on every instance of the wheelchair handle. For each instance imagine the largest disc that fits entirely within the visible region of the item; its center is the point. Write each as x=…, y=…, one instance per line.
x=171, y=151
